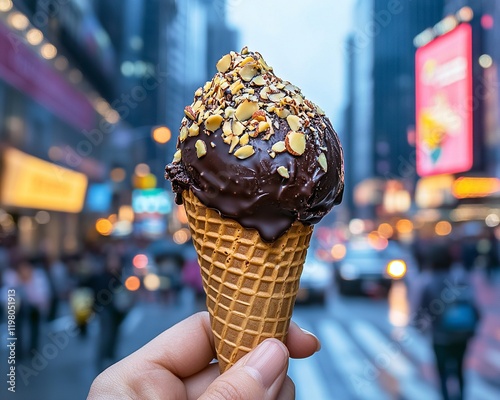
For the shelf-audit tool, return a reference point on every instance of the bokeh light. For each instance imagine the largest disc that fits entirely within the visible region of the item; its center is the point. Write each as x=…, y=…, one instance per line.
x=181, y=236
x=443, y=228
x=492, y=220
x=356, y=226
x=151, y=282
x=132, y=283
x=485, y=61
x=396, y=269
x=385, y=230
x=487, y=21
x=338, y=251
x=162, y=134
x=48, y=51
x=118, y=175
x=34, y=36
x=18, y=21
x=140, y=261
x=5, y=5
x=376, y=241
x=104, y=227
x=404, y=226
x=42, y=217
x=142, y=170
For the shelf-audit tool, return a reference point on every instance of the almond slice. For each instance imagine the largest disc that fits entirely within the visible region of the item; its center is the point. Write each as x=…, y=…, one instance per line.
x=244, y=152
x=190, y=112
x=213, y=122
x=246, y=60
x=282, y=112
x=322, y=162
x=276, y=97
x=183, y=134
x=246, y=109
x=259, y=80
x=264, y=93
x=295, y=143
x=201, y=148
x=238, y=128
x=283, y=172
x=226, y=127
x=244, y=139
x=177, y=156
x=248, y=72
x=229, y=112
x=234, y=141
x=294, y=122
x=194, y=130
x=224, y=63
x=263, y=126
x=279, y=147
x=236, y=86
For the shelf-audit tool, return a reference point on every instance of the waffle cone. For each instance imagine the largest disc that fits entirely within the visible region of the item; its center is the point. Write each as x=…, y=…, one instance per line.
x=250, y=284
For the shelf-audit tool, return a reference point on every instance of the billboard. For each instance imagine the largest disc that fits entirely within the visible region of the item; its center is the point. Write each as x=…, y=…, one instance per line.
x=444, y=125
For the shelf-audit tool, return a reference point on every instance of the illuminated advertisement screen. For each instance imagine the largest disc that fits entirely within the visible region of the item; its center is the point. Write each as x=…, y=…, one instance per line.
x=444, y=103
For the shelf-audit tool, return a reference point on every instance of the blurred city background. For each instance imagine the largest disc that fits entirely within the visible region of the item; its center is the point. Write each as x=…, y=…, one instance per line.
x=91, y=96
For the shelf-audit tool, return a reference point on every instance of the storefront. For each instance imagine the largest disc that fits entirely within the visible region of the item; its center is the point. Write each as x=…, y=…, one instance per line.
x=43, y=200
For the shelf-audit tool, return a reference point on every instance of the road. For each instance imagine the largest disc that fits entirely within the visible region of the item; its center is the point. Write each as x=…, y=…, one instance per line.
x=367, y=352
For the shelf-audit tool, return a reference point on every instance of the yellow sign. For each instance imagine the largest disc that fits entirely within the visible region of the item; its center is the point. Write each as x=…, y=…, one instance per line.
x=470, y=187
x=30, y=182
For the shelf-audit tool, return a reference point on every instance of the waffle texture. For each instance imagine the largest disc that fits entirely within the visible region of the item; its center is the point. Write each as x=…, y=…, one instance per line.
x=250, y=284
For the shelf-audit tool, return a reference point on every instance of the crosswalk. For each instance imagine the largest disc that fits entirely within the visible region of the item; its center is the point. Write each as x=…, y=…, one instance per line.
x=370, y=363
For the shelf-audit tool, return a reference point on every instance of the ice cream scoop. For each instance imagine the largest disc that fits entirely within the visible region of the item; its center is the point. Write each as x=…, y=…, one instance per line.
x=252, y=147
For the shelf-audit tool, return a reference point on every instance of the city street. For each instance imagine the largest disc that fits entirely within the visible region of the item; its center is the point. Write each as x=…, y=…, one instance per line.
x=363, y=355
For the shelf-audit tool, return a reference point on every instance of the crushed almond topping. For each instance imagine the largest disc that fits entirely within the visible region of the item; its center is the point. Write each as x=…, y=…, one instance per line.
x=245, y=99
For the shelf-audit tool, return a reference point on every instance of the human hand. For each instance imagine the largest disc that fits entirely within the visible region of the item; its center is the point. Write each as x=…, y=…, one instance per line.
x=177, y=365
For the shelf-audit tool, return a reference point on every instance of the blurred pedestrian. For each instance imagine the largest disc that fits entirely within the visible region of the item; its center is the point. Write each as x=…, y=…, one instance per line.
x=492, y=256
x=58, y=278
x=111, y=305
x=448, y=309
x=33, y=291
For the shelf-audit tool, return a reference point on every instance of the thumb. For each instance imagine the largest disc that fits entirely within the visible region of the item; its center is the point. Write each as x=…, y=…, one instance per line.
x=258, y=375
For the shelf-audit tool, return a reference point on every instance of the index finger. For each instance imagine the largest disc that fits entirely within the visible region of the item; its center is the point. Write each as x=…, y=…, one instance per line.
x=184, y=349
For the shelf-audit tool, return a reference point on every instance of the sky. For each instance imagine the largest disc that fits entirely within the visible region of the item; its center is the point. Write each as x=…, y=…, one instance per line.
x=302, y=41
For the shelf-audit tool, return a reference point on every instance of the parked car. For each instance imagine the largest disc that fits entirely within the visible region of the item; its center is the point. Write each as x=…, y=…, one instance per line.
x=316, y=279
x=371, y=268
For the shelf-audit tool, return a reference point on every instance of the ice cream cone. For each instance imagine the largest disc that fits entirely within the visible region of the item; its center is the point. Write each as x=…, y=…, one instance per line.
x=250, y=284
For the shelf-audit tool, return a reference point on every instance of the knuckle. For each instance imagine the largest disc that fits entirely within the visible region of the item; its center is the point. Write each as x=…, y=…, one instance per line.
x=224, y=390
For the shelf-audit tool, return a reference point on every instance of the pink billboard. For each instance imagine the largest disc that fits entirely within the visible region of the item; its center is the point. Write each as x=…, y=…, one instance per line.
x=444, y=103
x=27, y=72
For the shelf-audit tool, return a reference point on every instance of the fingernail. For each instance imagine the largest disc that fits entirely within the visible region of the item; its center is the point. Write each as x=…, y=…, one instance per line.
x=318, y=343
x=268, y=359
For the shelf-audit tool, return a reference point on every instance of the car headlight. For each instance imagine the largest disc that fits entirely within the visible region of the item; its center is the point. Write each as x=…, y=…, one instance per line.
x=348, y=272
x=396, y=269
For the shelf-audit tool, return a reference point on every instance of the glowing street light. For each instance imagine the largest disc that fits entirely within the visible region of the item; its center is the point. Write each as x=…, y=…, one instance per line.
x=161, y=134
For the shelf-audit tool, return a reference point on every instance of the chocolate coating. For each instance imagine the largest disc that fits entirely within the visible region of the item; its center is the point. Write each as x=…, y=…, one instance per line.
x=250, y=190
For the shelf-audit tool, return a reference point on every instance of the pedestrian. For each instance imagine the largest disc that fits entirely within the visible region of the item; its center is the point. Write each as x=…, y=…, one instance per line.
x=109, y=306
x=178, y=364
x=448, y=303
x=33, y=291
